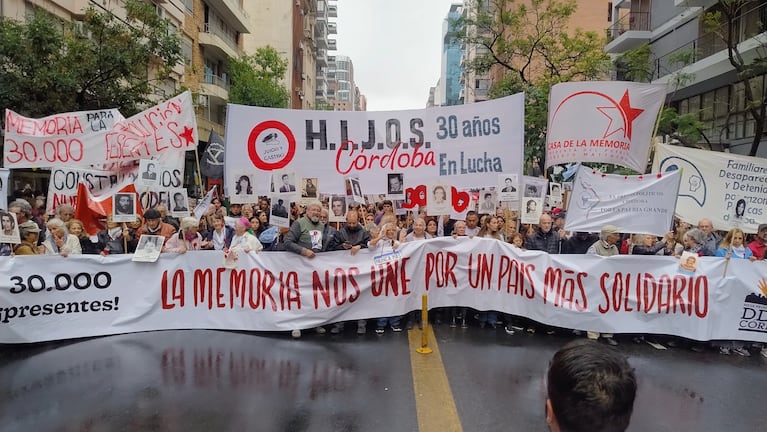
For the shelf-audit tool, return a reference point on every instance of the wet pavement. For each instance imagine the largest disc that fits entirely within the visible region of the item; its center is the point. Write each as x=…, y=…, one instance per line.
x=230, y=381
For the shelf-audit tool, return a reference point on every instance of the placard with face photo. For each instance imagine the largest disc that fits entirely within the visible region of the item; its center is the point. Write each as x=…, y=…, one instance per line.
x=9, y=233
x=354, y=190
x=438, y=199
x=124, y=207
x=148, y=248
x=279, y=211
x=337, y=208
x=283, y=182
x=487, y=201
x=532, y=210
x=179, y=203
x=508, y=187
x=149, y=173
x=310, y=187
x=395, y=186
x=555, y=192
x=242, y=189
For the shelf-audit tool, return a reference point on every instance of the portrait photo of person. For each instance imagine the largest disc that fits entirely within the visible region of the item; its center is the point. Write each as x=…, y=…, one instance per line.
x=508, y=185
x=285, y=184
x=688, y=263
x=555, y=191
x=279, y=209
x=179, y=202
x=395, y=184
x=507, y=188
x=487, y=202
x=124, y=207
x=149, y=248
x=10, y=228
x=439, y=195
x=243, y=186
x=310, y=188
x=150, y=173
x=531, y=207
x=531, y=191
x=337, y=208
x=740, y=208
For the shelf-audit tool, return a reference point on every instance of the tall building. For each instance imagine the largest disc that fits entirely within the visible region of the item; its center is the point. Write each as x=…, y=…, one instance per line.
x=346, y=91
x=474, y=84
x=451, y=70
x=681, y=48
x=327, y=11
x=289, y=27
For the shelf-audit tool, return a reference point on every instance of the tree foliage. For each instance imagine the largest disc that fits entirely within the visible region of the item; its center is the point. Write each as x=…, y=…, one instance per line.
x=533, y=43
x=733, y=21
x=256, y=79
x=51, y=66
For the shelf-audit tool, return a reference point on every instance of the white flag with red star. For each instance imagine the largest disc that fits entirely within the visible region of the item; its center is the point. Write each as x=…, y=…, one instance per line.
x=602, y=121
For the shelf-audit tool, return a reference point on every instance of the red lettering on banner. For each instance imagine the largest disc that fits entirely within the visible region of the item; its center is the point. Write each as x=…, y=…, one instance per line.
x=352, y=157
x=517, y=276
x=415, y=197
x=441, y=266
x=480, y=277
x=173, y=295
x=57, y=125
x=460, y=199
x=390, y=279
x=563, y=285
x=677, y=294
x=341, y=281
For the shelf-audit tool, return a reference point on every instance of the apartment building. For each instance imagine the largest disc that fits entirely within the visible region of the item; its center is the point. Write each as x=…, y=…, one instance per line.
x=694, y=63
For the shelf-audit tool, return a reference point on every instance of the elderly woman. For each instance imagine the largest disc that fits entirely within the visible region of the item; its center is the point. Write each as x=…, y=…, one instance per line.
x=694, y=241
x=28, y=231
x=187, y=238
x=219, y=236
x=242, y=239
x=77, y=229
x=59, y=241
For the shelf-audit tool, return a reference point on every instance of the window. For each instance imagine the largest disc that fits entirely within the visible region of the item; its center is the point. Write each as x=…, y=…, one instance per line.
x=189, y=5
x=186, y=50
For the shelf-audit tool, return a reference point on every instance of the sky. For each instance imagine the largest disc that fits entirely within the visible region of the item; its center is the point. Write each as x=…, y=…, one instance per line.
x=395, y=46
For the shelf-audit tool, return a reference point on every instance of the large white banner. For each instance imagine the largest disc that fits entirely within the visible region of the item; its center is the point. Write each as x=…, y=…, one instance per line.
x=4, y=187
x=50, y=297
x=634, y=204
x=602, y=121
x=91, y=138
x=62, y=187
x=465, y=146
x=729, y=189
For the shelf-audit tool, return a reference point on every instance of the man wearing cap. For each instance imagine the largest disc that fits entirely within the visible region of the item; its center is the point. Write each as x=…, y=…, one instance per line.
x=605, y=246
x=155, y=226
x=559, y=218
x=29, y=232
x=759, y=245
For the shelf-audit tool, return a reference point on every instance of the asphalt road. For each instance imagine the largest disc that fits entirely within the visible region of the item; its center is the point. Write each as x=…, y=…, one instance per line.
x=476, y=380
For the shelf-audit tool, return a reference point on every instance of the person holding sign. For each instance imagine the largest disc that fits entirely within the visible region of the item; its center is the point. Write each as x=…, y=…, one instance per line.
x=605, y=246
x=732, y=246
x=387, y=241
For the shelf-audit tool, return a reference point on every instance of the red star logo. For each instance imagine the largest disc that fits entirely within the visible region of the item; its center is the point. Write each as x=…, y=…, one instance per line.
x=188, y=135
x=621, y=117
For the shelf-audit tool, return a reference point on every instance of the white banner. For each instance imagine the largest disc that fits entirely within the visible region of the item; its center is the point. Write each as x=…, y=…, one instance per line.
x=635, y=204
x=602, y=121
x=729, y=189
x=4, y=187
x=62, y=187
x=457, y=145
x=283, y=291
x=91, y=138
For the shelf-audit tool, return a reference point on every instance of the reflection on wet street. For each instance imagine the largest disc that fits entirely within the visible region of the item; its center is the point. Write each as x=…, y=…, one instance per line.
x=229, y=381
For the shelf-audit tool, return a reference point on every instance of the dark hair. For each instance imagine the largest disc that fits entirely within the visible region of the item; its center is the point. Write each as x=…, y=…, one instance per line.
x=248, y=189
x=738, y=204
x=591, y=388
x=444, y=192
x=177, y=194
x=149, y=165
x=10, y=218
x=527, y=205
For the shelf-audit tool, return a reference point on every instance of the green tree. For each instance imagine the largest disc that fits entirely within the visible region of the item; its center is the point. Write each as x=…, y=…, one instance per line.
x=51, y=66
x=256, y=79
x=732, y=22
x=533, y=43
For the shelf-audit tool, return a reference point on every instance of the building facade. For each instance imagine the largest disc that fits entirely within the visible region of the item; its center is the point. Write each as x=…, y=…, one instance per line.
x=695, y=65
x=451, y=68
x=327, y=12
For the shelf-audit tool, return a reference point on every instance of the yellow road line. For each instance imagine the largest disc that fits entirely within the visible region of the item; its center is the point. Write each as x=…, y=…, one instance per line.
x=435, y=406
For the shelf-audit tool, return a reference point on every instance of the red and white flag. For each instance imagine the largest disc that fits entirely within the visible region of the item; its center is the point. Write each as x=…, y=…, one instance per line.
x=602, y=121
x=93, y=210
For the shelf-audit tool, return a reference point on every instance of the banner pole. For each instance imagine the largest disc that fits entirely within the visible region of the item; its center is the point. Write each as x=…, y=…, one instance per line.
x=199, y=172
x=651, y=156
x=125, y=239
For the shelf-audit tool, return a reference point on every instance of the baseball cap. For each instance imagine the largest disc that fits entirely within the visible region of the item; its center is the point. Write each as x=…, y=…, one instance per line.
x=762, y=226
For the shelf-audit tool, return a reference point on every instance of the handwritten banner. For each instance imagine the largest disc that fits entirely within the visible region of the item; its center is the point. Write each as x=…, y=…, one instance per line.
x=282, y=291
x=457, y=145
x=91, y=138
x=637, y=204
x=727, y=188
x=602, y=121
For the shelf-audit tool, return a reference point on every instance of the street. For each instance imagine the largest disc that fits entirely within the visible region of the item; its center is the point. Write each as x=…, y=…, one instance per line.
x=238, y=381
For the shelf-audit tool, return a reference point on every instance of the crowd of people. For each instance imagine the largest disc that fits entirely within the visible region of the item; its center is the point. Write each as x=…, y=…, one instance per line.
x=245, y=228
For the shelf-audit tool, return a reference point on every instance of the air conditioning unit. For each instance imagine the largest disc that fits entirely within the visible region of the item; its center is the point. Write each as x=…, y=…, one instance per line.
x=202, y=100
x=303, y=76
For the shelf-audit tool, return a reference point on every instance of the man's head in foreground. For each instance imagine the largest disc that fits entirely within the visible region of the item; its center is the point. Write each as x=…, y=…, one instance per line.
x=590, y=388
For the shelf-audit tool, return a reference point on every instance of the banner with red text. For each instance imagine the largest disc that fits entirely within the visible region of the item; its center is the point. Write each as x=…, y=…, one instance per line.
x=602, y=121
x=278, y=291
x=635, y=204
x=728, y=188
x=90, y=138
x=465, y=146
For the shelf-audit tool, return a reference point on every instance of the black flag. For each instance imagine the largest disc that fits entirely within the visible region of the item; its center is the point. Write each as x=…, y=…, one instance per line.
x=212, y=160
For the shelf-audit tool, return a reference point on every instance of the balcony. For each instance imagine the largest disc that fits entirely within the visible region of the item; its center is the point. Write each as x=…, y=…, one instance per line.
x=705, y=4
x=332, y=46
x=332, y=11
x=332, y=28
x=629, y=32
x=222, y=42
x=322, y=59
x=216, y=88
x=231, y=13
